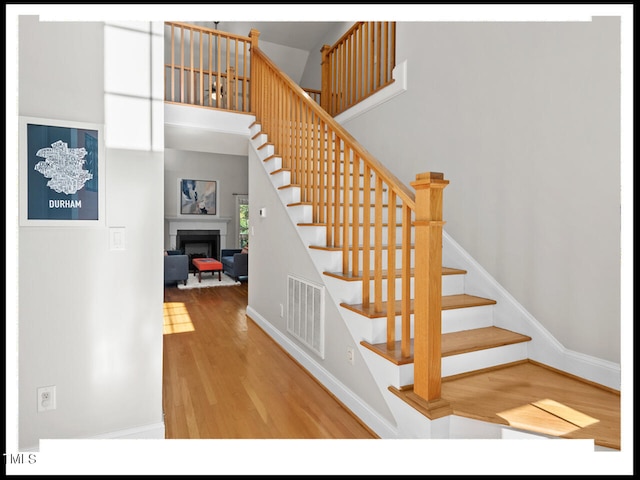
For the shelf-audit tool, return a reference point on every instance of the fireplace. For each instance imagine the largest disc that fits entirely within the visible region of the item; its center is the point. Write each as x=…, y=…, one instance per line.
x=199, y=243
x=198, y=230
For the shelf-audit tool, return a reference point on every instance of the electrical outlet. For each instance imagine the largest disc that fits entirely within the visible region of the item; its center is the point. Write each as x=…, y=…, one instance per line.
x=351, y=355
x=46, y=398
x=281, y=311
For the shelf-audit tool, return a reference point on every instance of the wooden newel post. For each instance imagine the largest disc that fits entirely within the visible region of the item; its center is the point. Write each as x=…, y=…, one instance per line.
x=428, y=285
x=325, y=94
x=253, y=35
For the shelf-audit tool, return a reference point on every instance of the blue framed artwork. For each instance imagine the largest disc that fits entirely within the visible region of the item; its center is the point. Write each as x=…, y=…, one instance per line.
x=198, y=197
x=61, y=173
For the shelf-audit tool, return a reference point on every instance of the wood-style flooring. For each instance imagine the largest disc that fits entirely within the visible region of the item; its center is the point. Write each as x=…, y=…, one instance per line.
x=225, y=378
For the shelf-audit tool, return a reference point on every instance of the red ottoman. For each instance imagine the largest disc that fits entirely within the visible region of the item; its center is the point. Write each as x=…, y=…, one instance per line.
x=207, y=265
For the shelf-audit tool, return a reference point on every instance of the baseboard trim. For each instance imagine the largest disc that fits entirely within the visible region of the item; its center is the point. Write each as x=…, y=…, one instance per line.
x=153, y=431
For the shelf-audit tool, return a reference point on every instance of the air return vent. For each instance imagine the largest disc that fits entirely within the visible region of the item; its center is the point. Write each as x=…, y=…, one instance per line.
x=305, y=313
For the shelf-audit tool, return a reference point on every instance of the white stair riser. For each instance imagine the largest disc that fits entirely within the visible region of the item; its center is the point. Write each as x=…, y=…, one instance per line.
x=385, y=216
x=265, y=151
x=490, y=357
x=330, y=181
x=457, y=364
x=384, y=260
x=387, y=373
x=300, y=213
x=361, y=327
x=290, y=198
x=289, y=195
x=273, y=164
x=453, y=284
x=454, y=320
x=330, y=197
x=313, y=234
x=258, y=140
x=326, y=260
x=281, y=178
x=351, y=291
x=458, y=319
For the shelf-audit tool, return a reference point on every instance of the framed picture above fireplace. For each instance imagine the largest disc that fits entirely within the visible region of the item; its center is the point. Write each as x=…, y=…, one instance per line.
x=198, y=197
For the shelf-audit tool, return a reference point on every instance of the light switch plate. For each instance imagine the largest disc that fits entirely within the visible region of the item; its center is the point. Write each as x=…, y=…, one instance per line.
x=116, y=238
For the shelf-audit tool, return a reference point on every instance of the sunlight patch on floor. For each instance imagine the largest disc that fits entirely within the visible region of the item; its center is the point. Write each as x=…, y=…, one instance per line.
x=176, y=318
x=569, y=414
x=547, y=416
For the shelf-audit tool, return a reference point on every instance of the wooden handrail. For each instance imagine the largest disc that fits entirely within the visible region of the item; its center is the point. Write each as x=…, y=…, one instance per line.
x=403, y=191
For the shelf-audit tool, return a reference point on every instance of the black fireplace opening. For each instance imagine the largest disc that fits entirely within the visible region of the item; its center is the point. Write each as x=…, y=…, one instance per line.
x=199, y=244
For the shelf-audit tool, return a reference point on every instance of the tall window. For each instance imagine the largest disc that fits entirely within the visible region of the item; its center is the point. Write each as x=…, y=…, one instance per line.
x=242, y=219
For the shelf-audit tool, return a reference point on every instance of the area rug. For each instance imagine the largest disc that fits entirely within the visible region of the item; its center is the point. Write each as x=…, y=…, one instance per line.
x=208, y=280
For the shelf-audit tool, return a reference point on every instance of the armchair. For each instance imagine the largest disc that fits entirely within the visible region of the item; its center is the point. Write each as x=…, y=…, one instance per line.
x=234, y=262
x=176, y=267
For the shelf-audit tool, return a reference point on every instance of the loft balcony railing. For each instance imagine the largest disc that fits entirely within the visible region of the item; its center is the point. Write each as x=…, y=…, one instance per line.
x=207, y=68
x=326, y=163
x=211, y=68
x=358, y=65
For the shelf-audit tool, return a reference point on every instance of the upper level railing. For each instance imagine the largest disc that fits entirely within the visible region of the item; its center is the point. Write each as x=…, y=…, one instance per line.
x=207, y=67
x=212, y=68
x=359, y=64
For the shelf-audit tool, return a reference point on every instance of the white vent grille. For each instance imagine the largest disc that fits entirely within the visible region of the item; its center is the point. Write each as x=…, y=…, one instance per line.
x=305, y=313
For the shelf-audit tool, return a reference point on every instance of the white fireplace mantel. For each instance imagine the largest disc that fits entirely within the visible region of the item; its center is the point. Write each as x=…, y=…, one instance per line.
x=198, y=222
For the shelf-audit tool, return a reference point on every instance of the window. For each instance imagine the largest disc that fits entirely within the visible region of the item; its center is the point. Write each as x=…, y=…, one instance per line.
x=242, y=219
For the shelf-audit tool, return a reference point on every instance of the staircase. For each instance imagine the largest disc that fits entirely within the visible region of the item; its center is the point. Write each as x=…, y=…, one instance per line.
x=471, y=340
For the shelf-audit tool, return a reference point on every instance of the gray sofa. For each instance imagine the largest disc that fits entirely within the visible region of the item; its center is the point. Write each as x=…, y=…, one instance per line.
x=235, y=263
x=176, y=267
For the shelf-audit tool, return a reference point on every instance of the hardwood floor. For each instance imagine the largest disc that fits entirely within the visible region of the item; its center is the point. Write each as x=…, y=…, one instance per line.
x=533, y=398
x=224, y=378
x=539, y=399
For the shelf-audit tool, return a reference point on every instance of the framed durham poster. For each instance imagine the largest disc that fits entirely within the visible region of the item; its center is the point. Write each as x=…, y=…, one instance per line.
x=61, y=173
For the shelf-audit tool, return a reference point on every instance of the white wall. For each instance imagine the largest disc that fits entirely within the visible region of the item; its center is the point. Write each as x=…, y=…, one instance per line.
x=312, y=75
x=90, y=319
x=230, y=171
x=524, y=121
x=276, y=252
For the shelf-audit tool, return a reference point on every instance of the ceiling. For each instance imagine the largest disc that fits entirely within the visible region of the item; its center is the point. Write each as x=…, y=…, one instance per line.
x=301, y=35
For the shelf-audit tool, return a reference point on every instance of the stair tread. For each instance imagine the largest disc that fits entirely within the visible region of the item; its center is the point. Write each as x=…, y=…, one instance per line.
x=297, y=185
x=360, y=247
x=449, y=302
x=454, y=343
x=340, y=205
x=322, y=224
x=349, y=277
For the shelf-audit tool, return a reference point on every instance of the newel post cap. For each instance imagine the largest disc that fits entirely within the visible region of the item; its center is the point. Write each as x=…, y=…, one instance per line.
x=253, y=35
x=428, y=179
